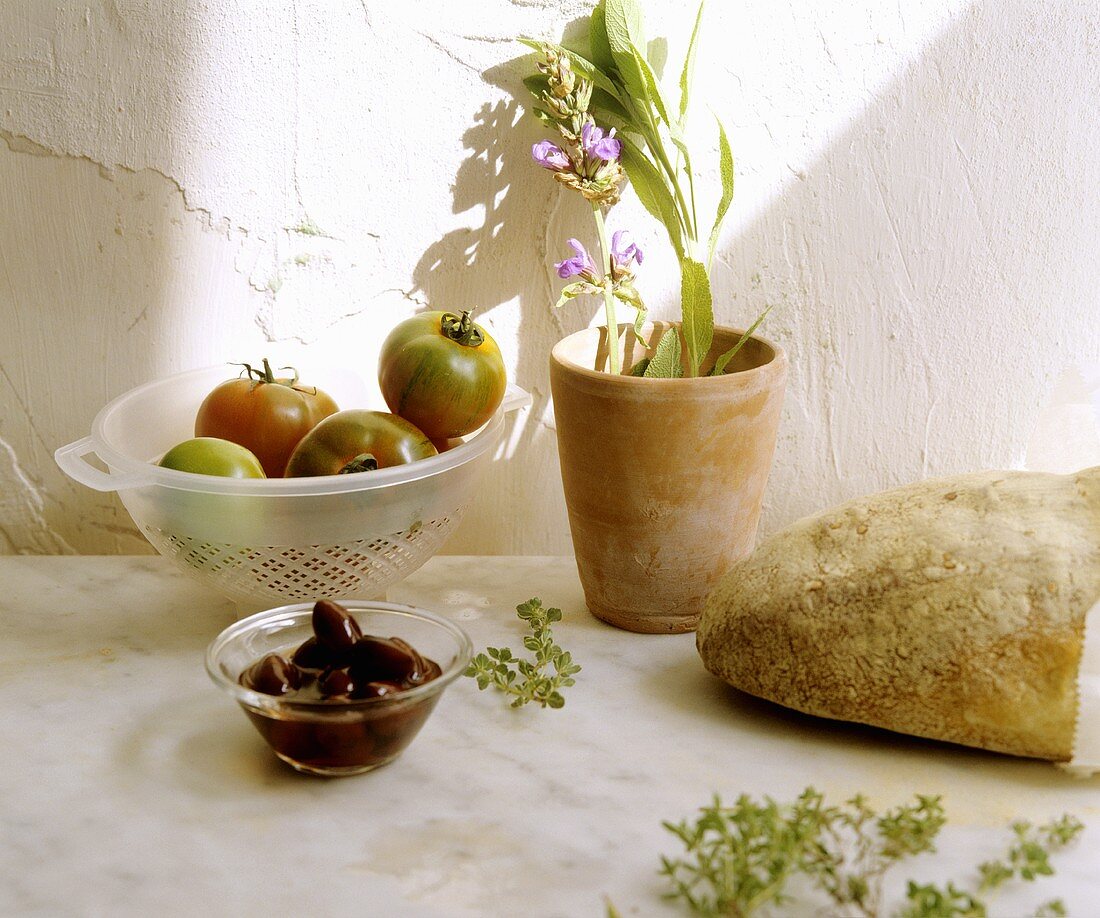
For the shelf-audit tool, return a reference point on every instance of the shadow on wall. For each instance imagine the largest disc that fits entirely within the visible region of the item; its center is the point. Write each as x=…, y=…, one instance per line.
x=488, y=267
x=927, y=266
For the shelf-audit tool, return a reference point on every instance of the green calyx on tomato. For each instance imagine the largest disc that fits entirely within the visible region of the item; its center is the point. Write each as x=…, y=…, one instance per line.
x=356, y=440
x=212, y=456
x=443, y=372
x=266, y=414
x=462, y=329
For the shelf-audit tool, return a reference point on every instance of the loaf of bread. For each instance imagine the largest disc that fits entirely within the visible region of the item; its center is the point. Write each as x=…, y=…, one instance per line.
x=953, y=609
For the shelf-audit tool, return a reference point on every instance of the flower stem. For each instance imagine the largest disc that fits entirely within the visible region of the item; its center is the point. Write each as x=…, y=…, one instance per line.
x=613, y=363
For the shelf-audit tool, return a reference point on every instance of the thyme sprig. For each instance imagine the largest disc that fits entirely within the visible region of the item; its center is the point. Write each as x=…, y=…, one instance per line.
x=539, y=679
x=738, y=859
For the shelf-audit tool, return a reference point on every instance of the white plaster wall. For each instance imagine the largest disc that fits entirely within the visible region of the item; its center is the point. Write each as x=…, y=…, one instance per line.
x=188, y=183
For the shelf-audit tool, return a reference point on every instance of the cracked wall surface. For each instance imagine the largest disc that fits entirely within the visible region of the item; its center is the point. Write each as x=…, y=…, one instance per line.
x=190, y=184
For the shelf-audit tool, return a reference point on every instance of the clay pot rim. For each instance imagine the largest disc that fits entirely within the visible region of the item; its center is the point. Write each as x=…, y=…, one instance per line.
x=776, y=364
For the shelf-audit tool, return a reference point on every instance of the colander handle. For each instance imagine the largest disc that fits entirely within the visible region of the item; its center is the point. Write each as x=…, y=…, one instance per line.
x=515, y=397
x=71, y=460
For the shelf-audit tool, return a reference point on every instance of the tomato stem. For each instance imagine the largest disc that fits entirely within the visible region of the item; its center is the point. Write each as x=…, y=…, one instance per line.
x=267, y=375
x=461, y=329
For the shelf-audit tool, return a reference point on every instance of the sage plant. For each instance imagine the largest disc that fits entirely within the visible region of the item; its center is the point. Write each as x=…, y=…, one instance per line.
x=612, y=116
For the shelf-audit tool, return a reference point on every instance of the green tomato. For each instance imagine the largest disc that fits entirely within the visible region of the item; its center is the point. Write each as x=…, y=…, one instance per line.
x=358, y=440
x=443, y=372
x=212, y=456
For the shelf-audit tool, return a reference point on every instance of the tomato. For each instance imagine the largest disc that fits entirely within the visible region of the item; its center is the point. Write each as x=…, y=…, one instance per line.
x=264, y=414
x=211, y=456
x=442, y=372
x=442, y=445
x=358, y=440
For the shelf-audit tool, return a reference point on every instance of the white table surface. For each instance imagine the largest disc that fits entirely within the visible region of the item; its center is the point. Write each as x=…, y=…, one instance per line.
x=130, y=785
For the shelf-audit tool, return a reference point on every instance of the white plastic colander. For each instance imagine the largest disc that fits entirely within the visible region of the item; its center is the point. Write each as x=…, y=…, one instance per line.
x=268, y=542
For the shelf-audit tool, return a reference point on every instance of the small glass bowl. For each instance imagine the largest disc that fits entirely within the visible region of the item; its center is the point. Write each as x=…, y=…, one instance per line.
x=338, y=736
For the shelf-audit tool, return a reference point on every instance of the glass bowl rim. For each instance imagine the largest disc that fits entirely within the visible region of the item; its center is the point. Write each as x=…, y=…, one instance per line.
x=463, y=655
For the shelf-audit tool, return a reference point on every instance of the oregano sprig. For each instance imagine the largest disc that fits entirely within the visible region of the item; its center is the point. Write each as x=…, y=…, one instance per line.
x=738, y=859
x=538, y=679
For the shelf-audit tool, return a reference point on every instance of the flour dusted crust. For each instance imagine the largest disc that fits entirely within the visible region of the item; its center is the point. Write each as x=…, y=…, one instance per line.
x=952, y=609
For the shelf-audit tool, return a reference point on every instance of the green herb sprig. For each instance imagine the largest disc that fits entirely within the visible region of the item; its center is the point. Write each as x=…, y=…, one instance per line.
x=739, y=859
x=540, y=679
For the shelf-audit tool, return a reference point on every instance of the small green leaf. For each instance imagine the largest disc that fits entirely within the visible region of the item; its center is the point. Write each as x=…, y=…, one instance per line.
x=639, y=321
x=666, y=362
x=722, y=362
x=545, y=117
x=725, y=166
x=537, y=84
x=689, y=67
x=698, y=312
x=570, y=292
x=640, y=367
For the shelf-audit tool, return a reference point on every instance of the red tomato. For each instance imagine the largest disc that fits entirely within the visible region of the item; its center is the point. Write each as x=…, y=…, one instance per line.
x=358, y=440
x=263, y=414
x=443, y=372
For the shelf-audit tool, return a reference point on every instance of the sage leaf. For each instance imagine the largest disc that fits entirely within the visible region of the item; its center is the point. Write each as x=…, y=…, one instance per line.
x=640, y=367
x=625, y=35
x=666, y=362
x=689, y=67
x=608, y=111
x=725, y=166
x=656, y=53
x=652, y=191
x=653, y=93
x=652, y=87
x=598, y=45
x=698, y=325
x=723, y=361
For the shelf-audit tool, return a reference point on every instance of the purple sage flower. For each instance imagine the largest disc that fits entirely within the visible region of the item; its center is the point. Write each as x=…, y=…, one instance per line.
x=598, y=146
x=580, y=265
x=550, y=156
x=623, y=251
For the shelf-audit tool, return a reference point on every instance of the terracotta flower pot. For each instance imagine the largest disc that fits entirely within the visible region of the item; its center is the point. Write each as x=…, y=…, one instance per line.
x=663, y=477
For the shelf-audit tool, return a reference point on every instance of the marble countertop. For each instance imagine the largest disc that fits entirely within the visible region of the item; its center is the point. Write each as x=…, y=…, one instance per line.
x=130, y=785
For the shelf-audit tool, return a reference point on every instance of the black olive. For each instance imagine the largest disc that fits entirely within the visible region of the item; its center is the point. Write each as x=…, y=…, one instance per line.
x=271, y=675
x=336, y=630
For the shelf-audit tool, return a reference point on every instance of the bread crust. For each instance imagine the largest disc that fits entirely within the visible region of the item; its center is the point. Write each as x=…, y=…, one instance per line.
x=952, y=609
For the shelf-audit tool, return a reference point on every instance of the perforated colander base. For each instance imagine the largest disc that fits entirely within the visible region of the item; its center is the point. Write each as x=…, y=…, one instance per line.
x=306, y=572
